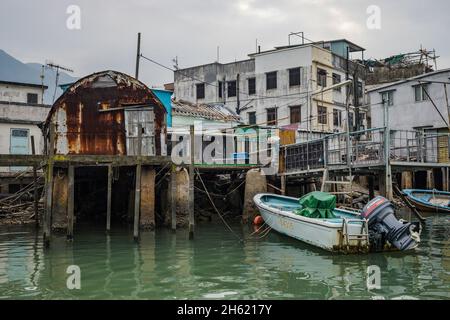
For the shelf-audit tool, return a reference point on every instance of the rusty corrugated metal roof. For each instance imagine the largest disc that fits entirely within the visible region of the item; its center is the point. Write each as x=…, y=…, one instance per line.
x=90, y=115
x=207, y=111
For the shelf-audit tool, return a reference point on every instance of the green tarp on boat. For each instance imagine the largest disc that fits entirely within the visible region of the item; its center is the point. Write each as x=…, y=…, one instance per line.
x=317, y=205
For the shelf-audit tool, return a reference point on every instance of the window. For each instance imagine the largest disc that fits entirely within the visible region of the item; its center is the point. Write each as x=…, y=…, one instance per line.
x=388, y=97
x=295, y=114
x=336, y=80
x=419, y=92
x=32, y=98
x=220, y=89
x=272, y=116
x=322, y=114
x=200, y=90
x=22, y=133
x=231, y=88
x=321, y=77
x=337, y=118
x=271, y=80
x=294, y=77
x=360, y=89
x=251, y=118
x=251, y=86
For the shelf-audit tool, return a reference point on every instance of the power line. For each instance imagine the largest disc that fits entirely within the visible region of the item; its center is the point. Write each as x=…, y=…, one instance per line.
x=255, y=96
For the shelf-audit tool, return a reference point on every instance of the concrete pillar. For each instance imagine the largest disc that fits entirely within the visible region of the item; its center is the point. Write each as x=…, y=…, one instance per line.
x=147, y=216
x=255, y=182
x=182, y=198
x=60, y=199
x=407, y=180
x=430, y=179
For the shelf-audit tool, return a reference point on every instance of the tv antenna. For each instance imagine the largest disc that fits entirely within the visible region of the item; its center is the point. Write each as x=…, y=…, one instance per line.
x=175, y=63
x=56, y=67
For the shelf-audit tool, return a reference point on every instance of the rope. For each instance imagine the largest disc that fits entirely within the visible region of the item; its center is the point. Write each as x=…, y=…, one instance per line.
x=222, y=196
x=214, y=206
x=265, y=233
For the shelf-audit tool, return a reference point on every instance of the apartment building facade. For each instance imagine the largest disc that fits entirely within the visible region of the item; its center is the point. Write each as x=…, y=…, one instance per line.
x=281, y=87
x=410, y=108
x=21, y=112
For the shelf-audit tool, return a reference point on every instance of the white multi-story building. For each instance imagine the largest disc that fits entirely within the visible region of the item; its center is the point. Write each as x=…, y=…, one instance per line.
x=281, y=86
x=409, y=106
x=21, y=111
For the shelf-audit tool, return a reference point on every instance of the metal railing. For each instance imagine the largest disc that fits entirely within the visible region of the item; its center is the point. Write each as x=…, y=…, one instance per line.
x=419, y=146
x=366, y=148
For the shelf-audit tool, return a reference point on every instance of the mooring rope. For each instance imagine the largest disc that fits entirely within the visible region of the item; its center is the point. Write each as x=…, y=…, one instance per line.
x=214, y=206
x=222, y=196
x=265, y=232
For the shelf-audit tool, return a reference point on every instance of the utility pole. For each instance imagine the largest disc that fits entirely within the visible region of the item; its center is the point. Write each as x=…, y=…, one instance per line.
x=42, y=84
x=356, y=98
x=387, y=156
x=238, y=102
x=138, y=55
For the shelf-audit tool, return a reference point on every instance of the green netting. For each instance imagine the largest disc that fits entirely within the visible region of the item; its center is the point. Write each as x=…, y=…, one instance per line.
x=317, y=205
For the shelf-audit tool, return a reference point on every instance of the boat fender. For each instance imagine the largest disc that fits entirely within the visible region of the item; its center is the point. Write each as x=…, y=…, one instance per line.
x=258, y=221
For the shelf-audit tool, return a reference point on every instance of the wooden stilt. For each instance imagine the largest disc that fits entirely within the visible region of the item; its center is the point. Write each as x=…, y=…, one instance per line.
x=430, y=179
x=137, y=194
x=283, y=185
x=191, y=184
x=371, y=187
x=108, y=203
x=173, y=197
x=70, y=202
x=49, y=187
x=444, y=178
x=35, y=189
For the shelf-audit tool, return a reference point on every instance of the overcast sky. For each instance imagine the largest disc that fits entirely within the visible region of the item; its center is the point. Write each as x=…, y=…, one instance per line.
x=33, y=31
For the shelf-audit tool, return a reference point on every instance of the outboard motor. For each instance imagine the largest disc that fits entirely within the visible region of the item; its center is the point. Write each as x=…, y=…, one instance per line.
x=384, y=226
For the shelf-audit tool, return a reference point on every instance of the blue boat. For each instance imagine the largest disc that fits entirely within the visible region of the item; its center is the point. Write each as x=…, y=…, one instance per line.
x=429, y=200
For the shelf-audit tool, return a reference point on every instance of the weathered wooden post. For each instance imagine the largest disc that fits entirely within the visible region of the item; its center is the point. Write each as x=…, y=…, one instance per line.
x=137, y=194
x=35, y=190
x=191, y=184
x=49, y=186
x=108, y=203
x=70, y=202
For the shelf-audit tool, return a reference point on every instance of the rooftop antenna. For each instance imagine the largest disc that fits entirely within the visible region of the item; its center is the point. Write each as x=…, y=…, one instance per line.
x=175, y=63
x=298, y=34
x=56, y=67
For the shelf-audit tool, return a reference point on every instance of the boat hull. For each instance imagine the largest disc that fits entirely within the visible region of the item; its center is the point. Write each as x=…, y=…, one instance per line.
x=328, y=234
x=426, y=206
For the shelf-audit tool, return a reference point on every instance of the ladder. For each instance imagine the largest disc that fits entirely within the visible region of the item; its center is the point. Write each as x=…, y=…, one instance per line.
x=326, y=182
x=362, y=236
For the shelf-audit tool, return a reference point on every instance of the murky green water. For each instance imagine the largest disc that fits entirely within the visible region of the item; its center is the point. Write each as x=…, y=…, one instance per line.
x=214, y=265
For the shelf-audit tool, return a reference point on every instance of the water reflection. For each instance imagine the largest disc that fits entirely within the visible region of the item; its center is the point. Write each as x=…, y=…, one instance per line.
x=167, y=265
